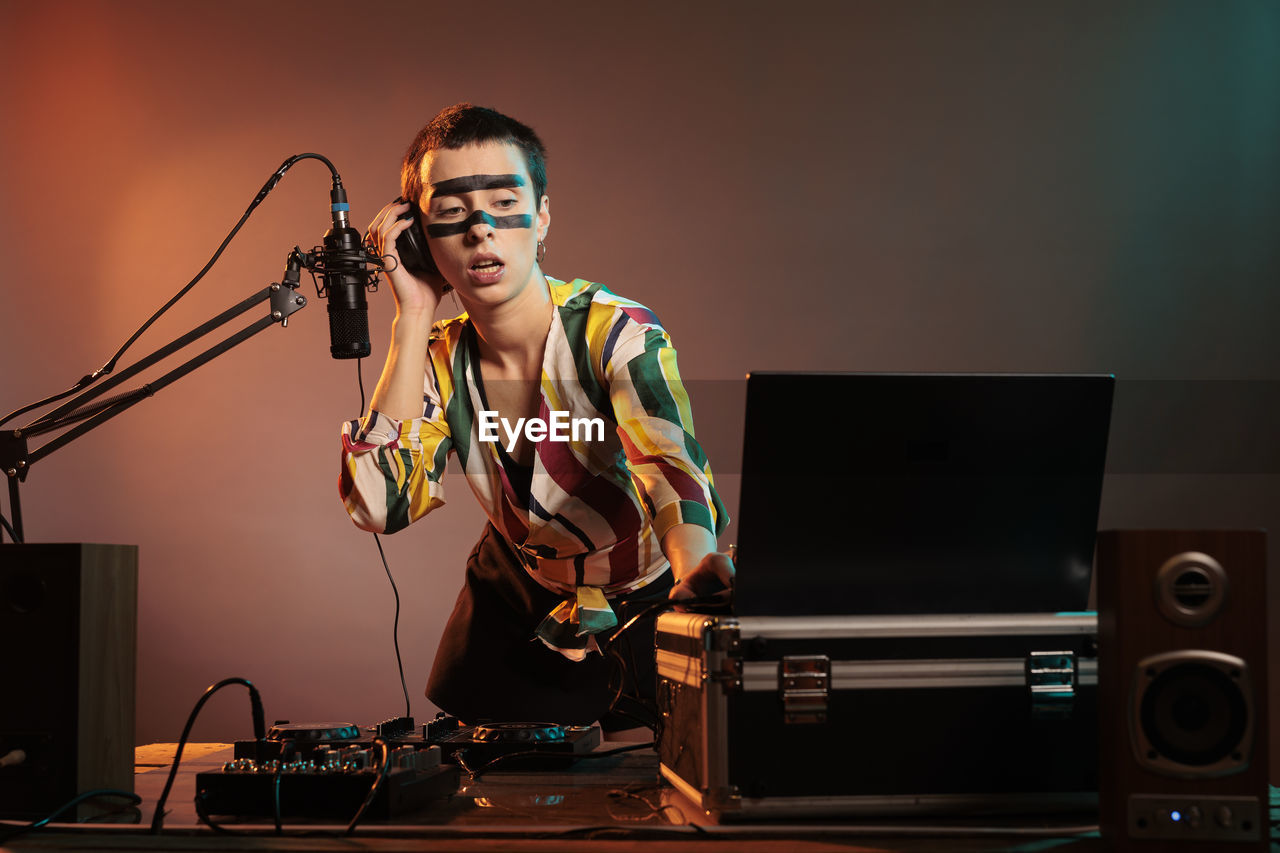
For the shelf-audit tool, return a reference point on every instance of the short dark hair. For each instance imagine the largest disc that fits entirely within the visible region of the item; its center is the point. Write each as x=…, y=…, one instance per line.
x=466, y=124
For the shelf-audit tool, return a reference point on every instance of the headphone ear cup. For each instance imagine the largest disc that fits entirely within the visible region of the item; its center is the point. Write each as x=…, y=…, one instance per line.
x=413, y=249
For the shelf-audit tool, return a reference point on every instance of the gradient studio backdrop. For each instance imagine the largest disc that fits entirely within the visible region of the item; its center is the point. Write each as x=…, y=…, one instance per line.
x=854, y=186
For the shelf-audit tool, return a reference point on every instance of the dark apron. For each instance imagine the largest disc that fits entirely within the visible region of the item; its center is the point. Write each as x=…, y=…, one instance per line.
x=489, y=667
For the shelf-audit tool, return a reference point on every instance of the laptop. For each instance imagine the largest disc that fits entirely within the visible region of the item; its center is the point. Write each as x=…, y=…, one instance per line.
x=893, y=493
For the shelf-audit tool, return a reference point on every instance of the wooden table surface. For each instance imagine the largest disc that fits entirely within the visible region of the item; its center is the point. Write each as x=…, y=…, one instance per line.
x=617, y=803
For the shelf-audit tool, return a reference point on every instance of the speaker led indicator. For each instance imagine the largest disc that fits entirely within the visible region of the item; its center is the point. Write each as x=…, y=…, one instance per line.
x=1159, y=816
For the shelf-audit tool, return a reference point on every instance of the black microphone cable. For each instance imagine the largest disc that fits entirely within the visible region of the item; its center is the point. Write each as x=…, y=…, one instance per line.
x=9, y=832
x=395, y=625
x=654, y=723
x=259, y=734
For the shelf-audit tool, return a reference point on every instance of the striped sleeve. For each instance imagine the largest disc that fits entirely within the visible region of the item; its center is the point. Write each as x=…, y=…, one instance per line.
x=655, y=422
x=391, y=469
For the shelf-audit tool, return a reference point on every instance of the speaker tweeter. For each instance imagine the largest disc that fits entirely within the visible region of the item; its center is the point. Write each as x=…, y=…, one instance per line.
x=1191, y=588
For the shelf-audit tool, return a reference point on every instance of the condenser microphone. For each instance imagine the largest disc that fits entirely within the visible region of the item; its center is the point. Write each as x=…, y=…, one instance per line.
x=346, y=277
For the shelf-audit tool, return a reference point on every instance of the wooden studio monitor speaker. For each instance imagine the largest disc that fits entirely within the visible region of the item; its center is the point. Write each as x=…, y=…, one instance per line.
x=1182, y=689
x=68, y=635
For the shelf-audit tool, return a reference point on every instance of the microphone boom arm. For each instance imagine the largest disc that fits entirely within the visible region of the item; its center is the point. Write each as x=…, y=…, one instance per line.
x=16, y=461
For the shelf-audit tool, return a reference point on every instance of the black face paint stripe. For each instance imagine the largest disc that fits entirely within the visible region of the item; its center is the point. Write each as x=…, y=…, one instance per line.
x=471, y=183
x=519, y=220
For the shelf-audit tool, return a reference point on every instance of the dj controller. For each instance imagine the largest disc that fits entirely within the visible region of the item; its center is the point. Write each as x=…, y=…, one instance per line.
x=329, y=769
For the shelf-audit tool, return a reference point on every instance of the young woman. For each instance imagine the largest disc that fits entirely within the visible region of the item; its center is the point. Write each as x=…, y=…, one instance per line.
x=566, y=410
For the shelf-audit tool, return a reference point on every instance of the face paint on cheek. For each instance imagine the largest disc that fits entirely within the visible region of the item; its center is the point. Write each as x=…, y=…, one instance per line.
x=519, y=220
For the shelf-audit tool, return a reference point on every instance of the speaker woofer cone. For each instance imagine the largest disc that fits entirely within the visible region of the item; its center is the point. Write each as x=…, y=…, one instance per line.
x=1192, y=713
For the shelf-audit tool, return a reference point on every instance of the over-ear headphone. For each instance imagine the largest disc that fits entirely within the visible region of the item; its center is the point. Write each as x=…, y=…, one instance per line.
x=412, y=246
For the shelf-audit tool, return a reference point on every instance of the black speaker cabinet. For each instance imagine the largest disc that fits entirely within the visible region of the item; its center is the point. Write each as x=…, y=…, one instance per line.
x=1182, y=689
x=68, y=636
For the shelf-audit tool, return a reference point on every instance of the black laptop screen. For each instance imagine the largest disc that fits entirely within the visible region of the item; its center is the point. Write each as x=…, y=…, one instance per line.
x=919, y=493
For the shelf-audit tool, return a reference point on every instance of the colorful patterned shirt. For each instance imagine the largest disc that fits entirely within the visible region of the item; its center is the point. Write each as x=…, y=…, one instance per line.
x=598, y=505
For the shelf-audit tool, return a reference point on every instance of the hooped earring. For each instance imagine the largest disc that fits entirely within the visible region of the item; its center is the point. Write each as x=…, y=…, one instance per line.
x=542, y=251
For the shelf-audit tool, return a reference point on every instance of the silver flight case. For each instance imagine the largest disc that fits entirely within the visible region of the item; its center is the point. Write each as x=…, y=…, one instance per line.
x=778, y=716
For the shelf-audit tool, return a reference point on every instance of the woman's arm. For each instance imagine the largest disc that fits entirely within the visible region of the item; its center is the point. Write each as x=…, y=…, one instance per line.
x=399, y=390
x=393, y=459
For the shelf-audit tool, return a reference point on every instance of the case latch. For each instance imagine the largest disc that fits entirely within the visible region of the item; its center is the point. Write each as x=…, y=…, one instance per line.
x=729, y=675
x=804, y=681
x=724, y=666
x=722, y=638
x=1052, y=678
